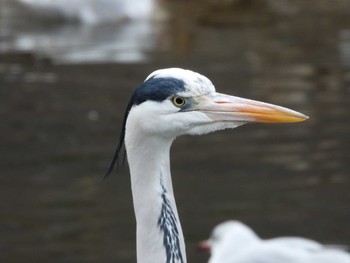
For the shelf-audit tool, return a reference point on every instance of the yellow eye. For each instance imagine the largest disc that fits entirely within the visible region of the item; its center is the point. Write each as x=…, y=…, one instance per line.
x=179, y=101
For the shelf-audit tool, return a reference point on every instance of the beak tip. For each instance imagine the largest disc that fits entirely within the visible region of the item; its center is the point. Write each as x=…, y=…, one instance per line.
x=303, y=117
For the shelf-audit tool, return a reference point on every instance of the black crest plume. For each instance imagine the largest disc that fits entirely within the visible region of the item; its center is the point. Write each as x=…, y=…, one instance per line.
x=117, y=153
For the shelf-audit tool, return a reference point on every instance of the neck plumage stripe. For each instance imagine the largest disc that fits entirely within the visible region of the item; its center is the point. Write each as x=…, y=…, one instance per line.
x=168, y=224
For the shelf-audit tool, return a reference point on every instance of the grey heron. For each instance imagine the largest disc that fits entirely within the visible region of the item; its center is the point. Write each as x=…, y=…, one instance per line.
x=234, y=242
x=169, y=103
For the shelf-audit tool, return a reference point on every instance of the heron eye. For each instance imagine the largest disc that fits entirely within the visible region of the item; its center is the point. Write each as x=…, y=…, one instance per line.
x=179, y=101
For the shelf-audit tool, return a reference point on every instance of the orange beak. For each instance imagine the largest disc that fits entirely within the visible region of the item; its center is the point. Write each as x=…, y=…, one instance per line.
x=221, y=107
x=204, y=246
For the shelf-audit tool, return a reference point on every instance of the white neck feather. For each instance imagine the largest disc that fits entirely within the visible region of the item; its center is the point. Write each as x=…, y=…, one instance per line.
x=159, y=234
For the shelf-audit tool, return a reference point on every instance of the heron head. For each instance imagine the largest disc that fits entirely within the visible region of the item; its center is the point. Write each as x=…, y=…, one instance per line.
x=172, y=102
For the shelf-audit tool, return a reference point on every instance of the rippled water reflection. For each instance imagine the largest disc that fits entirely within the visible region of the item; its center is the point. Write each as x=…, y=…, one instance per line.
x=61, y=124
x=67, y=42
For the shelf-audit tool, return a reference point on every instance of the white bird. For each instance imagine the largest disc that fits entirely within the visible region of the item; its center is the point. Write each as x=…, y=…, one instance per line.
x=93, y=11
x=234, y=242
x=169, y=103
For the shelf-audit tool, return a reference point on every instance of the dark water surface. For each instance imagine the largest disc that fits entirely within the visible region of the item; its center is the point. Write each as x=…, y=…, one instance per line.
x=60, y=124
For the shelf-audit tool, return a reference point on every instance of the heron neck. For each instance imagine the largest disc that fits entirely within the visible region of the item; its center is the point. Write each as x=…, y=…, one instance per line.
x=159, y=234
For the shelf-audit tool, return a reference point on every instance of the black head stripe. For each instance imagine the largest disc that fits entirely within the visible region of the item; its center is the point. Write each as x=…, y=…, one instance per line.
x=157, y=89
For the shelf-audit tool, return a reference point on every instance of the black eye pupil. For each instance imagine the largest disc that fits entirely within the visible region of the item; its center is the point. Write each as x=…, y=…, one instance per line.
x=179, y=101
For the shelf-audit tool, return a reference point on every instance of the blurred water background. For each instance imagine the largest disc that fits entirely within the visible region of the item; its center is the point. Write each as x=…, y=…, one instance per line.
x=66, y=77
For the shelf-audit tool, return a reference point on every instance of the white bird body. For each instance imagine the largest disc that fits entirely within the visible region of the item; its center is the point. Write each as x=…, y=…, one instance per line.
x=234, y=242
x=170, y=103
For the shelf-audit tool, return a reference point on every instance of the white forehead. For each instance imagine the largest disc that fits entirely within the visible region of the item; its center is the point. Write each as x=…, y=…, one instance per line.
x=195, y=83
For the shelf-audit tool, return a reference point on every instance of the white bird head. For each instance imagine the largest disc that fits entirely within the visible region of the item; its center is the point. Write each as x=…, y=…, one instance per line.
x=172, y=102
x=227, y=236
